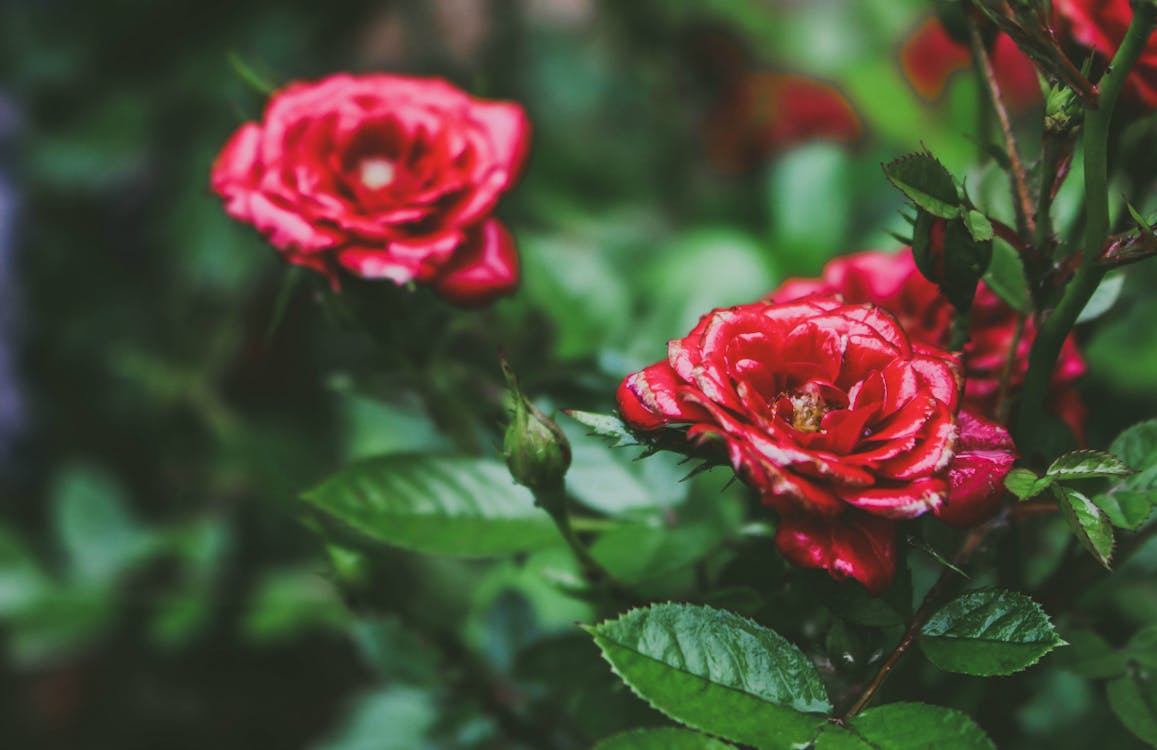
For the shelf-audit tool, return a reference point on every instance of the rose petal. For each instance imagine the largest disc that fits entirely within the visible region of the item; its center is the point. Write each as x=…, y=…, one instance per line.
x=852, y=546
x=484, y=268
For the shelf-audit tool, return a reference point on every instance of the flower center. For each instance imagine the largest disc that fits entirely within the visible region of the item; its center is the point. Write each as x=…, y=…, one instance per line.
x=376, y=172
x=807, y=411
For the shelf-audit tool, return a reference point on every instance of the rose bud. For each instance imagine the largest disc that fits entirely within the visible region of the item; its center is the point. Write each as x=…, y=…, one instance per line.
x=892, y=281
x=535, y=448
x=1101, y=25
x=840, y=421
x=382, y=177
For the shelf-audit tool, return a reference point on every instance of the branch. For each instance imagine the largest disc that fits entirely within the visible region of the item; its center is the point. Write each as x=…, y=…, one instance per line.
x=1054, y=330
x=1020, y=181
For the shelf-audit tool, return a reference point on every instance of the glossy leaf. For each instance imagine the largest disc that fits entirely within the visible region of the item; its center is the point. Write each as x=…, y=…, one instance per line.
x=906, y=726
x=989, y=632
x=1088, y=465
x=665, y=738
x=978, y=226
x=717, y=672
x=926, y=182
x=1090, y=525
x=441, y=504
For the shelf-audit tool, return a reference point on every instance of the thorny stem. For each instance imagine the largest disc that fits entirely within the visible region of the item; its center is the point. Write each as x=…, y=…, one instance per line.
x=1056, y=327
x=1020, y=182
x=927, y=607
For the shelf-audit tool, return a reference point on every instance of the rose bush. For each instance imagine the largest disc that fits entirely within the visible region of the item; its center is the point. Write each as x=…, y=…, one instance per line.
x=892, y=281
x=382, y=176
x=842, y=422
x=1101, y=25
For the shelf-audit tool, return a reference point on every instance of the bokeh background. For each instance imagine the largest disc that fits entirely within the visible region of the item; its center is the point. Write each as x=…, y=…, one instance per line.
x=165, y=394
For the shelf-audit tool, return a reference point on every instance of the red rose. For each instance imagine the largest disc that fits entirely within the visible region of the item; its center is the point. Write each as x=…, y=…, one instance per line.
x=766, y=113
x=383, y=176
x=893, y=282
x=842, y=423
x=930, y=56
x=1101, y=25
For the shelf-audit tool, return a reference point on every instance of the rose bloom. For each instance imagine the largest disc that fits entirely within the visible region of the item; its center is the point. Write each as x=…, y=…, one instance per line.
x=931, y=56
x=893, y=282
x=1101, y=25
x=765, y=113
x=382, y=176
x=839, y=419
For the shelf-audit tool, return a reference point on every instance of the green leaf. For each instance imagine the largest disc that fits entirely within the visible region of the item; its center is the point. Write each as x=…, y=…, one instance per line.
x=667, y=738
x=946, y=253
x=1142, y=647
x=1091, y=526
x=1103, y=299
x=717, y=672
x=1088, y=465
x=1134, y=701
x=447, y=505
x=1088, y=655
x=1005, y=276
x=605, y=426
x=1137, y=217
x=906, y=726
x=1022, y=483
x=99, y=537
x=978, y=226
x=393, y=718
x=1137, y=445
x=1126, y=509
x=926, y=182
x=989, y=632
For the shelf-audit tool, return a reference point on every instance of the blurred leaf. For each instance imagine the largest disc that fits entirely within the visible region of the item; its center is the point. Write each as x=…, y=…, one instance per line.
x=699, y=270
x=291, y=601
x=1103, y=299
x=1134, y=701
x=1090, y=525
x=396, y=718
x=811, y=201
x=990, y=632
x=611, y=481
x=1137, y=445
x=666, y=738
x=1087, y=465
x=61, y=622
x=446, y=505
x=22, y=580
x=1088, y=655
x=1005, y=276
x=1142, y=647
x=926, y=182
x=717, y=672
x=99, y=538
x=1126, y=509
x=906, y=726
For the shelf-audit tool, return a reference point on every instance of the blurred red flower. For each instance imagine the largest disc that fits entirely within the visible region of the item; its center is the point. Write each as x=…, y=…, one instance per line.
x=841, y=421
x=766, y=112
x=1101, y=25
x=930, y=56
x=892, y=281
x=383, y=176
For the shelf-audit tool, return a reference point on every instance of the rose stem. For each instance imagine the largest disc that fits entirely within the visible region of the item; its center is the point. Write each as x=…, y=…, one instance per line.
x=1024, y=205
x=927, y=607
x=1051, y=335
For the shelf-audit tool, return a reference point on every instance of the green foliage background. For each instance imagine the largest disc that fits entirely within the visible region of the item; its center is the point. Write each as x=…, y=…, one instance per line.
x=157, y=585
